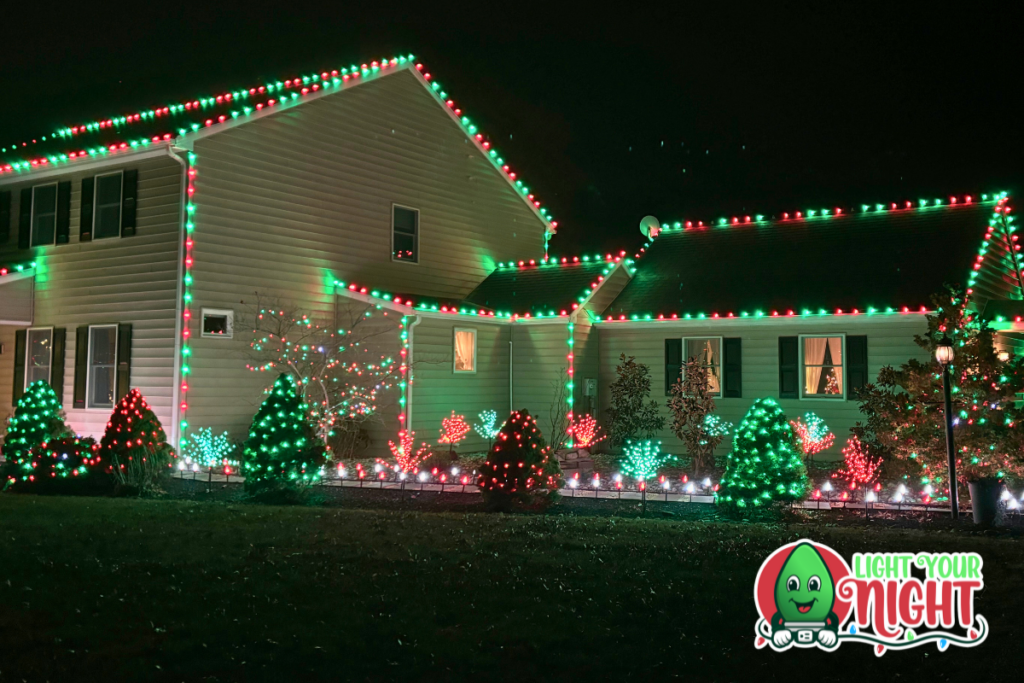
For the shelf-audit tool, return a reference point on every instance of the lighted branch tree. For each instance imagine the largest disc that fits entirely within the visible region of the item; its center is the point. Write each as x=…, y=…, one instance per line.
x=812, y=434
x=488, y=426
x=346, y=373
x=859, y=467
x=904, y=409
x=692, y=405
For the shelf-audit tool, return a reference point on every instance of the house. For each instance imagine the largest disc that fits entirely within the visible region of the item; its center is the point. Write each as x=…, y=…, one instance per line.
x=139, y=250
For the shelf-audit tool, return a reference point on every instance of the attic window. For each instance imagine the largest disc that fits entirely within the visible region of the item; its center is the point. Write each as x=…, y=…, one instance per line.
x=405, y=237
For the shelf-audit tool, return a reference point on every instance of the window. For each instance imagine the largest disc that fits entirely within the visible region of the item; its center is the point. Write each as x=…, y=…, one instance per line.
x=218, y=323
x=465, y=350
x=44, y=215
x=708, y=351
x=38, y=355
x=107, y=207
x=405, y=224
x=822, y=359
x=102, y=375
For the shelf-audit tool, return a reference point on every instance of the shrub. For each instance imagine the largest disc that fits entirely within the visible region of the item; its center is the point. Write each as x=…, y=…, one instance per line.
x=519, y=465
x=135, y=447
x=764, y=465
x=69, y=465
x=693, y=420
x=37, y=418
x=630, y=416
x=282, y=450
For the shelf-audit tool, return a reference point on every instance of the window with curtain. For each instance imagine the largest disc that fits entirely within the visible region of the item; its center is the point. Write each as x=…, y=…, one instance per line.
x=102, y=366
x=707, y=351
x=823, y=367
x=465, y=350
x=44, y=215
x=405, y=224
x=107, y=207
x=39, y=355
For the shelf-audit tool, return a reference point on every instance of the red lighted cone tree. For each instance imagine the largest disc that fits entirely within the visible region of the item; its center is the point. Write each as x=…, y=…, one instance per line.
x=520, y=463
x=134, y=445
x=859, y=468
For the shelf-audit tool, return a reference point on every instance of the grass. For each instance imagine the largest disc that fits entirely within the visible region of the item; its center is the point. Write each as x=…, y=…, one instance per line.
x=180, y=590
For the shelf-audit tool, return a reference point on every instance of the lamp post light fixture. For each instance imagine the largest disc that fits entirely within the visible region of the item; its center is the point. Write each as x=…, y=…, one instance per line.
x=944, y=354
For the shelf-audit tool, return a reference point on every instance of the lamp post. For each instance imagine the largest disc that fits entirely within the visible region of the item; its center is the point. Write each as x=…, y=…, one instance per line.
x=944, y=354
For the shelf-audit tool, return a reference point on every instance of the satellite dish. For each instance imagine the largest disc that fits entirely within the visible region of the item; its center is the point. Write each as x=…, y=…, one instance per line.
x=650, y=226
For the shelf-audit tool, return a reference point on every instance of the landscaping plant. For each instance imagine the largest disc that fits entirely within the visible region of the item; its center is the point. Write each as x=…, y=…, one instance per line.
x=765, y=465
x=631, y=415
x=37, y=418
x=134, y=445
x=641, y=459
x=812, y=435
x=283, y=450
x=520, y=465
x=691, y=405
x=206, y=449
x=859, y=467
x=68, y=464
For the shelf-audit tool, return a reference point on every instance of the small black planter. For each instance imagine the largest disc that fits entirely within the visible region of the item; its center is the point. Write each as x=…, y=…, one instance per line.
x=985, y=501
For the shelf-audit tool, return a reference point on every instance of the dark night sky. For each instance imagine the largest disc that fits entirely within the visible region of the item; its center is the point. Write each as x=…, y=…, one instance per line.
x=693, y=113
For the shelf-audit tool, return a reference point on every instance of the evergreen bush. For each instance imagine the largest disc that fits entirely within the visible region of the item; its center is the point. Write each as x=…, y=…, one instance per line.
x=520, y=465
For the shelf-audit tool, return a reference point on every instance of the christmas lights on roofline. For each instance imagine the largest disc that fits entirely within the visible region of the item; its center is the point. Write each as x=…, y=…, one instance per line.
x=759, y=314
x=16, y=268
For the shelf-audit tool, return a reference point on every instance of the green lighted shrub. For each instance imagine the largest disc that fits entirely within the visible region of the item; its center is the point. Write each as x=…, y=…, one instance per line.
x=765, y=465
x=37, y=418
x=282, y=450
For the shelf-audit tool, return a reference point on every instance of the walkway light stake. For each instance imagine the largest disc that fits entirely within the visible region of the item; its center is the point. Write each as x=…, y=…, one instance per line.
x=944, y=354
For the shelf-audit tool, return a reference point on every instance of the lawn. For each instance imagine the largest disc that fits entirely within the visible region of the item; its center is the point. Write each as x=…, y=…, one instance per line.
x=181, y=590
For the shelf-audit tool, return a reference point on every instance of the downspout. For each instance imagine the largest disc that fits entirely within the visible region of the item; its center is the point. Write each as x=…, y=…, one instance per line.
x=179, y=311
x=408, y=379
x=511, y=329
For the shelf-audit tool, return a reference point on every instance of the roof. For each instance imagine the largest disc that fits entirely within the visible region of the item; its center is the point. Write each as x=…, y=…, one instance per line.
x=549, y=288
x=179, y=122
x=880, y=257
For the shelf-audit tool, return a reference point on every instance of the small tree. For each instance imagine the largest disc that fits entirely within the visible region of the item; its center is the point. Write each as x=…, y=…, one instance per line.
x=904, y=408
x=134, y=445
x=283, y=450
x=206, y=449
x=37, y=418
x=406, y=457
x=488, y=426
x=642, y=459
x=631, y=416
x=812, y=435
x=765, y=465
x=585, y=432
x=519, y=464
x=453, y=431
x=691, y=405
x=859, y=468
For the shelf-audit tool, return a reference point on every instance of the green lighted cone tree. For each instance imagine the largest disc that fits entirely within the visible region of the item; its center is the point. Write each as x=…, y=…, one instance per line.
x=134, y=445
x=37, y=418
x=519, y=465
x=765, y=465
x=283, y=449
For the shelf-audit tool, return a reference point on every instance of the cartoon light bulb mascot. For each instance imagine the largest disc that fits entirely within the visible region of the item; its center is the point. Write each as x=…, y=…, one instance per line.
x=804, y=596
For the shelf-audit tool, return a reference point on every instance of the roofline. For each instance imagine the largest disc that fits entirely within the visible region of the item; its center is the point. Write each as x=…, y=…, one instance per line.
x=582, y=306
x=865, y=317
x=20, y=275
x=129, y=155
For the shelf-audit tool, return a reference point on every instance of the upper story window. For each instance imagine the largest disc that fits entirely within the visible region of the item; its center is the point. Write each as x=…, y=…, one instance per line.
x=708, y=352
x=44, y=215
x=107, y=205
x=465, y=350
x=39, y=355
x=405, y=234
x=823, y=361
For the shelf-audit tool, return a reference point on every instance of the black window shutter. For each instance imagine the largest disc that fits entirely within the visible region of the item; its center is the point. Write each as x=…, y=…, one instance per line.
x=129, y=197
x=25, y=219
x=673, y=363
x=57, y=364
x=856, y=363
x=63, y=211
x=85, y=218
x=81, y=364
x=5, y=216
x=20, y=339
x=124, y=359
x=732, y=363
x=789, y=367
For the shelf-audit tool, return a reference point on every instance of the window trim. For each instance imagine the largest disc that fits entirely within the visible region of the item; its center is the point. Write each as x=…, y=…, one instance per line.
x=455, y=333
x=228, y=312
x=28, y=353
x=802, y=369
x=96, y=204
x=88, y=369
x=32, y=216
x=721, y=364
x=416, y=237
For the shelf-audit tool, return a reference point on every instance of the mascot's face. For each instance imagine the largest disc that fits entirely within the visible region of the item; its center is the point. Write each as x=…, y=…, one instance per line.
x=804, y=590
